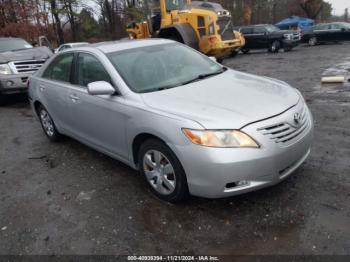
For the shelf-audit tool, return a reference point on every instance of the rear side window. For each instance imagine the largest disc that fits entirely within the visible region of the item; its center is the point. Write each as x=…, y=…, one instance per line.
x=89, y=70
x=60, y=68
x=247, y=30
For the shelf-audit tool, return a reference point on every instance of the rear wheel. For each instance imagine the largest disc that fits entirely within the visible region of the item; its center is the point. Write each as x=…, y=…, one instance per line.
x=275, y=46
x=313, y=41
x=162, y=171
x=48, y=125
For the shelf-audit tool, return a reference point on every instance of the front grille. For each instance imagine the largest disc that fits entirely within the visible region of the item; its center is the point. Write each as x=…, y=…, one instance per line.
x=226, y=28
x=28, y=66
x=296, y=36
x=285, y=133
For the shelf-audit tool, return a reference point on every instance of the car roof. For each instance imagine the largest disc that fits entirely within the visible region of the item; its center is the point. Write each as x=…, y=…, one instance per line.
x=114, y=46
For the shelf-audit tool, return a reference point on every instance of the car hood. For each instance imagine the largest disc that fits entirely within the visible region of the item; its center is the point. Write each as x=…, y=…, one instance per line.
x=27, y=54
x=230, y=100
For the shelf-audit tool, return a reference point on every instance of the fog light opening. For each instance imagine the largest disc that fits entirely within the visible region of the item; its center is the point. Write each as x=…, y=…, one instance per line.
x=242, y=183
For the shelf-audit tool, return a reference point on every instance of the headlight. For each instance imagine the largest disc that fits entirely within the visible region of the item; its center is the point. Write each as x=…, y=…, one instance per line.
x=5, y=69
x=220, y=138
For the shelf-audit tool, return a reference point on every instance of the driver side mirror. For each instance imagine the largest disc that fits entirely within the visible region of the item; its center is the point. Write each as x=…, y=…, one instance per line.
x=100, y=88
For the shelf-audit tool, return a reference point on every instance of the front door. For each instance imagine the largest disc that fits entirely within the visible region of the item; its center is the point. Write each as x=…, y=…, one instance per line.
x=97, y=119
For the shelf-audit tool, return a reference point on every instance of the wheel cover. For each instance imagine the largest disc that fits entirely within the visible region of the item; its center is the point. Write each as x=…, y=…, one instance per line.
x=47, y=123
x=159, y=172
x=312, y=41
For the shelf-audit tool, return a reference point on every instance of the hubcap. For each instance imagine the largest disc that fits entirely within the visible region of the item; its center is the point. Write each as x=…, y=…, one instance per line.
x=159, y=172
x=312, y=41
x=47, y=123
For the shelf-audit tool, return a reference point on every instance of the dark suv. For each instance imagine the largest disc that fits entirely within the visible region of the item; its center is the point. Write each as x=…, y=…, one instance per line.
x=268, y=36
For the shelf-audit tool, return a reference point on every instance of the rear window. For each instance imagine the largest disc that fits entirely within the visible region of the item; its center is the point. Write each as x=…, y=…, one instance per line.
x=13, y=44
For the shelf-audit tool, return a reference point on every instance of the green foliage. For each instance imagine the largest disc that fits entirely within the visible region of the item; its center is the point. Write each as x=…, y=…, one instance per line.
x=136, y=14
x=87, y=24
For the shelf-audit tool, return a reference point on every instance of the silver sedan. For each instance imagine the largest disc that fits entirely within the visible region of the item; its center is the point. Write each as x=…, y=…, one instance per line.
x=187, y=123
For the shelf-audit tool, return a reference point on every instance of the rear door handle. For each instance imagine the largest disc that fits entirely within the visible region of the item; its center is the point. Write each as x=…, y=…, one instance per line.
x=74, y=98
x=42, y=88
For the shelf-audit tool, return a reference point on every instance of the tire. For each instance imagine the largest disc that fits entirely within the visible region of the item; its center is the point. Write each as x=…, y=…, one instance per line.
x=245, y=51
x=275, y=46
x=48, y=125
x=313, y=41
x=162, y=171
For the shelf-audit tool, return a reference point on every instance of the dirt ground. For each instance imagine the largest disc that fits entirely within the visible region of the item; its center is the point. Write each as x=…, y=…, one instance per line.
x=66, y=198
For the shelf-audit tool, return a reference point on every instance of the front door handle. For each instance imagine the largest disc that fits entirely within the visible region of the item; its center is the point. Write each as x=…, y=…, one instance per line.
x=74, y=98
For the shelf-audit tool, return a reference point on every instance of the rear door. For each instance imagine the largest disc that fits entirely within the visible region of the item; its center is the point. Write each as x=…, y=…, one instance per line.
x=260, y=37
x=53, y=88
x=96, y=119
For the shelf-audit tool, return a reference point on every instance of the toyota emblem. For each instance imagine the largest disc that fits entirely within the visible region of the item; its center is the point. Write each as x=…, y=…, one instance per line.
x=297, y=118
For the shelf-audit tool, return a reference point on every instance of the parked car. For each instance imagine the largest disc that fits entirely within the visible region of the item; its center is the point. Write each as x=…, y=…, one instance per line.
x=331, y=32
x=18, y=60
x=70, y=45
x=187, y=123
x=270, y=37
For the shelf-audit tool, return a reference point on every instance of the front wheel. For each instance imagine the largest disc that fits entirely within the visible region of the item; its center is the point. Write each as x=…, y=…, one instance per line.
x=313, y=41
x=48, y=125
x=162, y=171
x=274, y=47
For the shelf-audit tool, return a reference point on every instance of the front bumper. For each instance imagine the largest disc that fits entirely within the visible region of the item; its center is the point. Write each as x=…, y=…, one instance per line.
x=13, y=84
x=223, y=172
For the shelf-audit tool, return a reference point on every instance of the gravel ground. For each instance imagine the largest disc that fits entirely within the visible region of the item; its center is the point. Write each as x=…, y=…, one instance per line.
x=69, y=199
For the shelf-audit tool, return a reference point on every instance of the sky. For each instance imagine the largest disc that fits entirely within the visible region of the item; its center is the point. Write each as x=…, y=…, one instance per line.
x=339, y=6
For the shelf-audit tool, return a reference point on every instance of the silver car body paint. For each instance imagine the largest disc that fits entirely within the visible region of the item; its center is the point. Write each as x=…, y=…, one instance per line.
x=231, y=100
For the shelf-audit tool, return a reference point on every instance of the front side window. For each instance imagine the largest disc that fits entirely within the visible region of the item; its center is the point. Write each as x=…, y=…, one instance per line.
x=60, y=68
x=89, y=70
x=272, y=28
x=165, y=66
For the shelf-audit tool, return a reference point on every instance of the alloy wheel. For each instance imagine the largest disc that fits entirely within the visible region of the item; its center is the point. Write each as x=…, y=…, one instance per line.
x=47, y=123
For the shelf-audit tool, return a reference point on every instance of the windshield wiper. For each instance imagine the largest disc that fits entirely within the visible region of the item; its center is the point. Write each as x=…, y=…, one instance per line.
x=161, y=88
x=203, y=76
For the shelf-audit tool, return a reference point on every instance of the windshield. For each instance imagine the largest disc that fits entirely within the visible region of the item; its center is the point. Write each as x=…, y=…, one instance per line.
x=159, y=67
x=272, y=28
x=13, y=44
